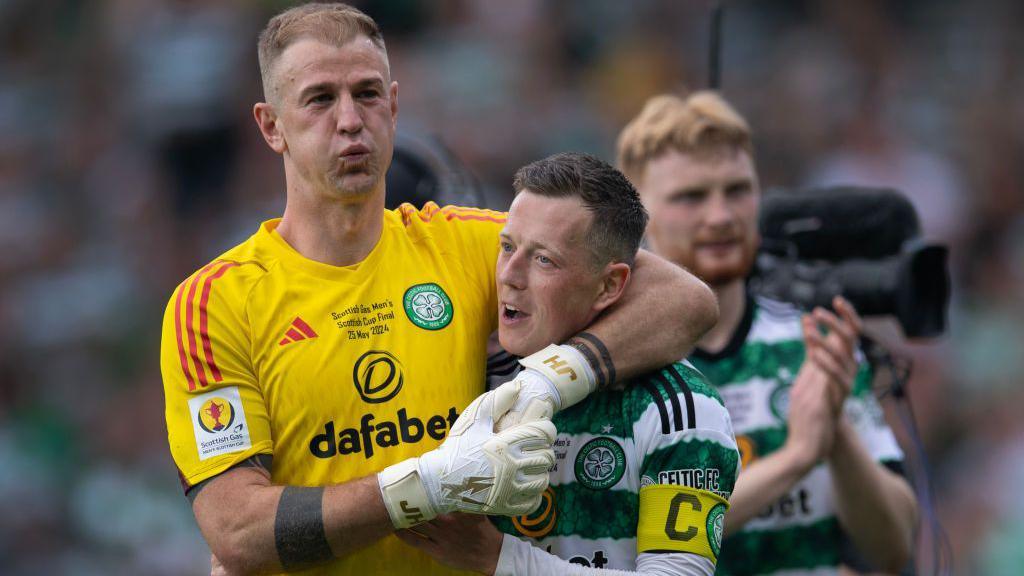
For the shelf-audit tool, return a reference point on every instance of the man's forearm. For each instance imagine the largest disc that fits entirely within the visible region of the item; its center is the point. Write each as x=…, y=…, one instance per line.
x=761, y=484
x=355, y=516
x=253, y=527
x=876, y=507
x=659, y=319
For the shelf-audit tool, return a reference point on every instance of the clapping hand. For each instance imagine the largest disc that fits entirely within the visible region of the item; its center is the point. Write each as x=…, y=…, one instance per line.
x=834, y=352
x=824, y=381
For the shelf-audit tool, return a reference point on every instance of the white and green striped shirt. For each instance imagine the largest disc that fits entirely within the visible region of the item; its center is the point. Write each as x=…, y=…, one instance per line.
x=800, y=533
x=667, y=428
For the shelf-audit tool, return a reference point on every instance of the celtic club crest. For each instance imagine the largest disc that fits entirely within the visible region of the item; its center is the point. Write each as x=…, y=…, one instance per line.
x=600, y=464
x=427, y=306
x=715, y=527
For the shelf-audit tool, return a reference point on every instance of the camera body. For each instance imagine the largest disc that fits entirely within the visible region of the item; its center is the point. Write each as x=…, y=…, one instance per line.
x=861, y=243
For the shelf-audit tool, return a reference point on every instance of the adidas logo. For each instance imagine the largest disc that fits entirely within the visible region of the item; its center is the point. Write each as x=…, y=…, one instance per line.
x=299, y=330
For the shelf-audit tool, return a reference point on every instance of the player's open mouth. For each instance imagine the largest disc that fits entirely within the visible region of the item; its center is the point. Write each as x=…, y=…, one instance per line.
x=510, y=314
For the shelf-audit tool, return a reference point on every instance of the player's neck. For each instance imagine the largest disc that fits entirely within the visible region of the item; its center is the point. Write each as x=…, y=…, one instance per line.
x=732, y=299
x=335, y=233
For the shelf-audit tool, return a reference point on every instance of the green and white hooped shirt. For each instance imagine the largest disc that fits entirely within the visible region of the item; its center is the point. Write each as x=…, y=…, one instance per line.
x=642, y=477
x=798, y=534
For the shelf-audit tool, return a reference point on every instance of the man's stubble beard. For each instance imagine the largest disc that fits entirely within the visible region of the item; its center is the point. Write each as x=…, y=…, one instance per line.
x=368, y=176
x=719, y=276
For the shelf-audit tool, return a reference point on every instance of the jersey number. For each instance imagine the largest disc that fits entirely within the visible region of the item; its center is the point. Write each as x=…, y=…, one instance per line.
x=673, y=517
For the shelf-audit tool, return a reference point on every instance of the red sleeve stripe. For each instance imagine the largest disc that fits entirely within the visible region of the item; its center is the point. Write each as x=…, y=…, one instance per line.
x=204, y=334
x=407, y=211
x=474, y=214
x=177, y=333
x=428, y=211
x=450, y=212
x=501, y=220
x=201, y=364
x=186, y=306
x=478, y=211
x=197, y=362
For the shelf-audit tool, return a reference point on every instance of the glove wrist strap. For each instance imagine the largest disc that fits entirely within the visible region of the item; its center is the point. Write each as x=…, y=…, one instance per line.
x=404, y=494
x=567, y=369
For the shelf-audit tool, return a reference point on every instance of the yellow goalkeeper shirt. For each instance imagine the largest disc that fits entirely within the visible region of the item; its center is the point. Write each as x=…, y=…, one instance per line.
x=337, y=372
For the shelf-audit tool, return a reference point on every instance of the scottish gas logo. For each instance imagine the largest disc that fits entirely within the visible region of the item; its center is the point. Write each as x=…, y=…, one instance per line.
x=218, y=422
x=215, y=415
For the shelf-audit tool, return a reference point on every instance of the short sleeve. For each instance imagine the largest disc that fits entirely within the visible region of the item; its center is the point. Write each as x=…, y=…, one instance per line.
x=689, y=464
x=683, y=432
x=215, y=412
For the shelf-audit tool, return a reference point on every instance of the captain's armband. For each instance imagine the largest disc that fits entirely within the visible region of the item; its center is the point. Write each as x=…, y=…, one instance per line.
x=680, y=519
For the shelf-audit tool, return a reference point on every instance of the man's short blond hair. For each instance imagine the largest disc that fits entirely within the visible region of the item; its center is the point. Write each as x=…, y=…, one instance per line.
x=335, y=24
x=701, y=123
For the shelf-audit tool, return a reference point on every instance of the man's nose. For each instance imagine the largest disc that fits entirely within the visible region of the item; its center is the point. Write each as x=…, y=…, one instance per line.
x=510, y=271
x=718, y=211
x=350, y=121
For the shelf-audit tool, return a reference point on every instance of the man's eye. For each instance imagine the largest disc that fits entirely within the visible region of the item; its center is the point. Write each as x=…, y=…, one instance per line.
x=544, y=260
x=506, y=247
x=738, y=190
x=321, y=99
x=367, y=94
x=687, y=197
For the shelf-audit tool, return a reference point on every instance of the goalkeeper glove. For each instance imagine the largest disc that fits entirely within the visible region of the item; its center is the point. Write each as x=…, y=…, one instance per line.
x=474, y=470
x=554, y=379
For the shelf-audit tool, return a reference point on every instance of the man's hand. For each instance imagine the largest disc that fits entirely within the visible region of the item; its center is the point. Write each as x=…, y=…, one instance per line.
x=553, y=379
x=825, y=380
x=460, y=541
x=811, y=419
x=474, y=470
x=834, y=351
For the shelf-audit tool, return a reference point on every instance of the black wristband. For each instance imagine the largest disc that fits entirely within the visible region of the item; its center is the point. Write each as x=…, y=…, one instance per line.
x=299, y=528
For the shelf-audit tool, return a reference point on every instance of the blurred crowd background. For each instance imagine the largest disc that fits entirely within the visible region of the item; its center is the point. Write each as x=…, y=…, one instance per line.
x=128, y=158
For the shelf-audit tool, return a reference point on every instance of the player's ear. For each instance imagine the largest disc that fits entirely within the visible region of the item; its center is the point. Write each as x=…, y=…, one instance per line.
x=613, y=285
x=266, y=119
x=394, y=103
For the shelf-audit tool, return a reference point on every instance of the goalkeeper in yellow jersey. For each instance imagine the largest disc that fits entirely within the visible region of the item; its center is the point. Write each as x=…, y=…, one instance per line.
x=315, y=374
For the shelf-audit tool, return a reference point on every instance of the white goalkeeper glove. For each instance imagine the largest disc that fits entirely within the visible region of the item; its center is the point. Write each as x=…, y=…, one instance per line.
x=474, y=470
x=554, y=379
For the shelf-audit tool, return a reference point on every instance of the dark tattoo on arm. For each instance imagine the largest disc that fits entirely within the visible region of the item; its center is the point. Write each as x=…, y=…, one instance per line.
x=299, y=528
x=260, y=461
x=603, y=363
x=591, y=359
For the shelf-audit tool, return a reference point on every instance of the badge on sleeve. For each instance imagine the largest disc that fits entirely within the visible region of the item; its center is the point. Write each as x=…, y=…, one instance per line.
x=218, y=421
